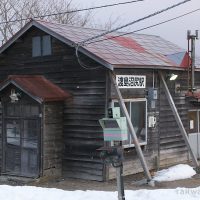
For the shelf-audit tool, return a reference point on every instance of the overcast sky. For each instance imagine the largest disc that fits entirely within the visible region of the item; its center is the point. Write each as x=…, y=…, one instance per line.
x=174, y=31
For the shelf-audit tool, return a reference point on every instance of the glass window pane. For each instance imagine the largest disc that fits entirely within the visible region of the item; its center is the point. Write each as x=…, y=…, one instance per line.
x=30, y=110
x=12, y=109
x=30, y=134
x=13, y=132
x=46, y=45
x=36, y=46
x=137, y=112
x=138, y=118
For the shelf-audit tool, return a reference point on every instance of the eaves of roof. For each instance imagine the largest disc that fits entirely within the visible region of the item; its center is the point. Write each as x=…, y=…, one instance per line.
x=59, y=37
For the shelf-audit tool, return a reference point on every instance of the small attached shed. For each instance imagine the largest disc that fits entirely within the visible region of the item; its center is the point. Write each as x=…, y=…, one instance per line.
x=32, y=121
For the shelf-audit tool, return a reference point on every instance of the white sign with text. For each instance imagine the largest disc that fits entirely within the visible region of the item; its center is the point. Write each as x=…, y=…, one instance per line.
x=131, y=81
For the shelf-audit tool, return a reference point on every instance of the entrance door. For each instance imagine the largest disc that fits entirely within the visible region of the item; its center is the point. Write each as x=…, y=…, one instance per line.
x=21, y=149
x=194, y=131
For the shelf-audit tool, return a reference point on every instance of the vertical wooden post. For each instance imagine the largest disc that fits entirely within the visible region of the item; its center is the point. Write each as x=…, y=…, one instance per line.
x=178, y=119
x=130, y=126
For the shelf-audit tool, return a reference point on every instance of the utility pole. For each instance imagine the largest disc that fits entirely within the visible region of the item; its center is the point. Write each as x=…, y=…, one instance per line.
x=191, y=51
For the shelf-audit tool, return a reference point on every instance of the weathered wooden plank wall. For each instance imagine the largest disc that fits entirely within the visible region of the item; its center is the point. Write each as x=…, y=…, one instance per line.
x=82, y=132
x=1, y=138
x=172, y=146
x=52, y=139
x=132, y=163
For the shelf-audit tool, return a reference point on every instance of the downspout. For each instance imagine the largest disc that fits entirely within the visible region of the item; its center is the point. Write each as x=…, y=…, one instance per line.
x=178, y=120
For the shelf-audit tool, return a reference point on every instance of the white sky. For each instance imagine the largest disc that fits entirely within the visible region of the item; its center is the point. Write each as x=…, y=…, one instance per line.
x=174, y=31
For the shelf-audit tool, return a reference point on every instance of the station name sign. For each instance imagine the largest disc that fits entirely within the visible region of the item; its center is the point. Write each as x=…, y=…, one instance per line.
x=131, y=81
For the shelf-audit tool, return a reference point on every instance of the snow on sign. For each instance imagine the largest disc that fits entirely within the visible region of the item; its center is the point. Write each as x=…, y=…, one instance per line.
x=131, y=81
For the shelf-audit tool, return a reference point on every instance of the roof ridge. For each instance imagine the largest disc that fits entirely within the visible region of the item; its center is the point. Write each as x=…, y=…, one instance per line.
x=92, y=28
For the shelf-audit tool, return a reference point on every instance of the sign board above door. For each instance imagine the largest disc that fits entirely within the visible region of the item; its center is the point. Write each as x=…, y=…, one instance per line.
x=131, y=81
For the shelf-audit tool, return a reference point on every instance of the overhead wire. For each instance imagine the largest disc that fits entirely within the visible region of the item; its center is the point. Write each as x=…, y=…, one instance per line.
x=82, y=43
x=147, y=27
x=87, y=67
x=133, y=22
x=72, y=11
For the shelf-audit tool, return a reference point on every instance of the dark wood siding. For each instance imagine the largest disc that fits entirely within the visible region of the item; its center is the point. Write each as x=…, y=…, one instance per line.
x=132, y=163
x=82, y=132
x=84, y=135
x=52, y=139
x=172, y=145
x=1, y=139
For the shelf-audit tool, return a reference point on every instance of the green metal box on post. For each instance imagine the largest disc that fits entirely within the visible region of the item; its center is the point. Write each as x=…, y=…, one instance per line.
x=115, y=128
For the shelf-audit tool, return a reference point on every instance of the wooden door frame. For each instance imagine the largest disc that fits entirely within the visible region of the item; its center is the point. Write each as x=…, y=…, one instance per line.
x=21, y=119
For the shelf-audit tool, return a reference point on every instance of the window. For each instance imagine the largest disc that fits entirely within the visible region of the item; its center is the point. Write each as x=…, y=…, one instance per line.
x=137, y=109
x=41, y=46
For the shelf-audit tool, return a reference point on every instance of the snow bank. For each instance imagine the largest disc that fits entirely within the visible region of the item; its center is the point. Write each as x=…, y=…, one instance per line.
x=36, y=193
x=177, y=172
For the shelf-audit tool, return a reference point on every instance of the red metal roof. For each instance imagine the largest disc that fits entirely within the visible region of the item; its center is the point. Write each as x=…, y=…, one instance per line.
x=128, y=42
x=125, y=51
x=37, y=87
x=131, y=50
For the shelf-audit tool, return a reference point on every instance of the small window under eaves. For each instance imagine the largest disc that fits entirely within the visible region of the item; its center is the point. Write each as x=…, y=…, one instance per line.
x=36, y=46
x=41, y=46
x=46, y=45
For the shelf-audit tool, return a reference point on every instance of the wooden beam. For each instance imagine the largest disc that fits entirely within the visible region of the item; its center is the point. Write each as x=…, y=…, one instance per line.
x=130, y=126
x=178, y=119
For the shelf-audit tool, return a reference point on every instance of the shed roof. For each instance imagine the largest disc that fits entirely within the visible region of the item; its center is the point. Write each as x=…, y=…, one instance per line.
x=38, y=87
x=134, y=50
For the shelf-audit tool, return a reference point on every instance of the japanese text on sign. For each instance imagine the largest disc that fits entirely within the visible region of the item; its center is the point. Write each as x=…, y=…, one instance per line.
x=131, y=81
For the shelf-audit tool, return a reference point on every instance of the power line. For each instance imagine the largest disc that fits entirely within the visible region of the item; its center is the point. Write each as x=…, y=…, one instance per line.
x=154, y=25
x=72, y=11
x=87, y=67
x=133, y=22
x=113, y=30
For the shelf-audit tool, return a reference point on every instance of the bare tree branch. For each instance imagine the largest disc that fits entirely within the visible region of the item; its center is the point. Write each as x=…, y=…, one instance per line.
x=18, y=10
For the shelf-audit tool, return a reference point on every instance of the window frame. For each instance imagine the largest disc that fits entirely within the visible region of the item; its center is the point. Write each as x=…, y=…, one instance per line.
x=134, y=100
x=40, y=46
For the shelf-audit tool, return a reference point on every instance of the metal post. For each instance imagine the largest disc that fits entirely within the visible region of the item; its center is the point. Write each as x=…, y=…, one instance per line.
x=193, y=62
x=120, y=183
x=130, y=126
x=178, y=119
x=192, y=53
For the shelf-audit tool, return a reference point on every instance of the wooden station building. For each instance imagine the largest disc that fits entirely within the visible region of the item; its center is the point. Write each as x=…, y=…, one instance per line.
x=50, y=104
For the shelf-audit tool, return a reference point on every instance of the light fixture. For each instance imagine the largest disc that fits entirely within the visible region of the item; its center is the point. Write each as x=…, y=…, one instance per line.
x=173, y=77
x=14, y=96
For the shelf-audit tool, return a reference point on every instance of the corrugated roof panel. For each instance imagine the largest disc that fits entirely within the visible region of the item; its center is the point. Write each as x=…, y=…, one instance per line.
x=38, y=87
x=135, y=48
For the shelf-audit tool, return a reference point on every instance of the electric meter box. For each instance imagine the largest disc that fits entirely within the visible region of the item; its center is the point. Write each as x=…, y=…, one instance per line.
x=152, y=93
x=114, y=129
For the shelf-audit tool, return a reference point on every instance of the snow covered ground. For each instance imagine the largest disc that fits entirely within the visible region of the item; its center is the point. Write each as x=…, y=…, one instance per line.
x=36, y=193
x=173, y=173
x=177, y=172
